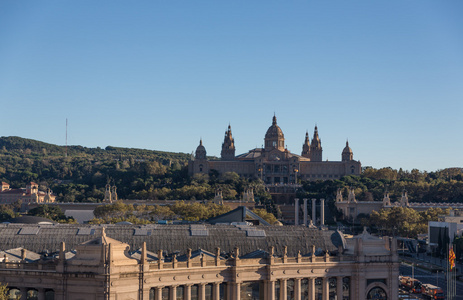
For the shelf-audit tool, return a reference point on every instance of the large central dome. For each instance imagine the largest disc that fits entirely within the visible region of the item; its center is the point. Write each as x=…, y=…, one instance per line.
x=274, y=131
x=274, y=138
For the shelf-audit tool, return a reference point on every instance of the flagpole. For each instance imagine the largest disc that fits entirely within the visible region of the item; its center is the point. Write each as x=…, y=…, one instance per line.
x=447, y=267
x=451, y=279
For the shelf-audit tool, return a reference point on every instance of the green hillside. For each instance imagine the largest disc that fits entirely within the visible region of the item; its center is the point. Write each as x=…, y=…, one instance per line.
x=81, y=176
x=149, y=174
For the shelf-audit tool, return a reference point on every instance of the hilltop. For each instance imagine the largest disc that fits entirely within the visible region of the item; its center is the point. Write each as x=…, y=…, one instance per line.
x=18, y=145
x=81, y=175
x=150, y=174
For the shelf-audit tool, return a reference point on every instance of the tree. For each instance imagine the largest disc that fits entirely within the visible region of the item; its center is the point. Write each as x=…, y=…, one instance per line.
x=51, y=212
x=6, y=213
x=161, y=212
x=268, y=217
x=4, y=291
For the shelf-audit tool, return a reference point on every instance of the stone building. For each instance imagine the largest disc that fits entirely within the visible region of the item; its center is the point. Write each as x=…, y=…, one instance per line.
x=273, y=163
x=30, y=194
x=177, y=262
x=351, y=208
x=110, y=194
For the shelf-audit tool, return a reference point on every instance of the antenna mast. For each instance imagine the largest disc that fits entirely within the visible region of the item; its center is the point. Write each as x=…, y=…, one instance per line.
x=66, y=154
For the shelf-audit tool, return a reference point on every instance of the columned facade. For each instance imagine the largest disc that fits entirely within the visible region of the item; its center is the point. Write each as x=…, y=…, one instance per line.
x=102, y=269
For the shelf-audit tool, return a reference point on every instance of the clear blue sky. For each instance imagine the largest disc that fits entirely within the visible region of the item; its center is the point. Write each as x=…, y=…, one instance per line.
x=387, y=75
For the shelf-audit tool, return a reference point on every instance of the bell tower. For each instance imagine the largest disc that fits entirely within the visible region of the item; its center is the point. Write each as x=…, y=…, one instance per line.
x=228, y=146
x=306, y=146
x=316, y=147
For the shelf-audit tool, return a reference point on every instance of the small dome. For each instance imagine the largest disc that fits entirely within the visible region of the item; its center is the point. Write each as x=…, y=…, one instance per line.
x=347, y=149
x=201, y=151
x=274, y=131
x=347, y=154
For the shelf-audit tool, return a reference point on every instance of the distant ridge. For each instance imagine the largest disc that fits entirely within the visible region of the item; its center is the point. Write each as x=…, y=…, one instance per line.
x=15, y=143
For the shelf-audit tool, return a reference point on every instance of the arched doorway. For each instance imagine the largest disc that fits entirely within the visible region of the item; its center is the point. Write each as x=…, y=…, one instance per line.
x=13, y=294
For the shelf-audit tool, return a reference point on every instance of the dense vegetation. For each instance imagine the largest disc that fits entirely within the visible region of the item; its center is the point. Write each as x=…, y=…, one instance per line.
x=138, y=174
x=402, y=221
x=144, y=174
x=145, y=214
x=180, y=210
x=440, y=186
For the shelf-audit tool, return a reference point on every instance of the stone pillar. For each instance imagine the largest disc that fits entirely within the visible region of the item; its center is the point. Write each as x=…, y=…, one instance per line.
x=202, y=291
x=326, y=288
x=187, y=292
x=296, y=211
x=339, y=287
x=322, y=212
x=361, y=285
x=216, y=291
x=173, y=292
x=297, y=289
x=305, y=212
x=269, y=290
x=158, y=293
x=311, y=288
x=283, y=289
x=237, y=291
x=314, y=211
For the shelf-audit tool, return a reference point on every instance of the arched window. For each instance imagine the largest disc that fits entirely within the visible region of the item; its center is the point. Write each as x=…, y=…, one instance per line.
x=180, y=293
x=152, y=293
x=194, y=292
x=332, y=291
x=251, y=290
x=32, y=294
x=165, y=293
x=290, y=289
x=49, y=295
x=346, y=287
x=377, y=293
x=208, y=291
x=305, y=289
x=318, y=288
x=14, y=293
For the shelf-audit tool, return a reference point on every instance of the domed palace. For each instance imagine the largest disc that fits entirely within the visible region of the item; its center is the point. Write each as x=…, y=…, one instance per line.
x=274, y=164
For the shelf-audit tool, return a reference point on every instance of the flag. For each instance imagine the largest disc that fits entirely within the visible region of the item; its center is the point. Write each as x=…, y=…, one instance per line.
x=451, y=258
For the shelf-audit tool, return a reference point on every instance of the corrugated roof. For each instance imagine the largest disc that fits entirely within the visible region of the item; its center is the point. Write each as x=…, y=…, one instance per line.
x=171, y=238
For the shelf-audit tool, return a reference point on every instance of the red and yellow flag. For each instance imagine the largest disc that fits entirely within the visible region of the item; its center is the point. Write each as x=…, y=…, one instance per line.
x=451, y=258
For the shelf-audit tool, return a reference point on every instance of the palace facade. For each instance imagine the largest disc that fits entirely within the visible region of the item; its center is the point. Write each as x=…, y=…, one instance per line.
x=195, y=262
x=273, y=163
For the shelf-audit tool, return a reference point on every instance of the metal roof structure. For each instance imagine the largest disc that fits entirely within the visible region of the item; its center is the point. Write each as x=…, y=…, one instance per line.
x=173, y=238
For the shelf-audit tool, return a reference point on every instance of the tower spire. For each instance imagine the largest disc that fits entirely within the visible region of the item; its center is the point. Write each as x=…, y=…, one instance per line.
x=228, y=145
x=306, y=146
x=316, y=146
